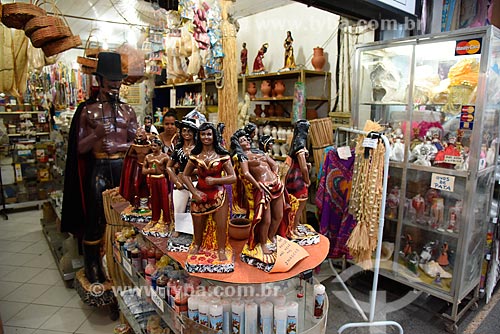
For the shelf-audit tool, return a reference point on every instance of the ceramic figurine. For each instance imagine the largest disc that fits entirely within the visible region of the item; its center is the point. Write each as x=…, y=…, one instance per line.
x=210, y=250
x=454, y=213
x=276, y=149
x=297, y=183
x=266, y=143
x=265, y=200
x=408, y=249
x=289, y=57
x=437, y=212
x=133, y=185
x=418, y=203
x=437, y=280
x=244, y=59
x=176, y=165
x=443, y=258
x=284, y=149
x=258, y=64
x=412, y=263
x=393, y=203
x=155, y=165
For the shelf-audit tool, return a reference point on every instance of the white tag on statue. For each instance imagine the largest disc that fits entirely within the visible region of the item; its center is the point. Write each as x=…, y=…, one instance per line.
x=370, y=142
x=344, y=152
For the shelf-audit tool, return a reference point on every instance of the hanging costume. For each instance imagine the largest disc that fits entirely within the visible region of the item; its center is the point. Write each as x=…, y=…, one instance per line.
x=332, y=200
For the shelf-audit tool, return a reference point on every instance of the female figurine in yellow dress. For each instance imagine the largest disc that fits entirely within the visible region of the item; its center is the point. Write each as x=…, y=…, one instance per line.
x=210, y=251
x=289, y=57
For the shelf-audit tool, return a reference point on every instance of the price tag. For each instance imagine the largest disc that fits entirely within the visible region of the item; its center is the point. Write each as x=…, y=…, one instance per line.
x=156, y=299
x=495, y=220
x=451, y=159
x=344, y=152
x=370, y=142
x=127, y=266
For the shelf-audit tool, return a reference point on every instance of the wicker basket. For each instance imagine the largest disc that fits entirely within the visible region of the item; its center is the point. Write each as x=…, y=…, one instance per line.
x=89, y=65
x=44, y=35
x=60, y=45
x=41, y=22
x=16, y=15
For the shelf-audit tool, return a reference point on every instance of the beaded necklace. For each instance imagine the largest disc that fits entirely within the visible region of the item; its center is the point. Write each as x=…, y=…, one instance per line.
x=366, y=198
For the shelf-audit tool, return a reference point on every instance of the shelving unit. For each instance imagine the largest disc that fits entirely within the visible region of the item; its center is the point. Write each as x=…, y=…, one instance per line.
x=170, y=95
x=27, y=179
x=390, y=86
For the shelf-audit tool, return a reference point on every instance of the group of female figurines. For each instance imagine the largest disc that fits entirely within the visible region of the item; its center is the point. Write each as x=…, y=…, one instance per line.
x=199, y=165
x=258, y=64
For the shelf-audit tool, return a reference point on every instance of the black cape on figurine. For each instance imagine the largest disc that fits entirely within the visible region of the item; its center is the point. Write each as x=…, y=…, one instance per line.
x=75, y=185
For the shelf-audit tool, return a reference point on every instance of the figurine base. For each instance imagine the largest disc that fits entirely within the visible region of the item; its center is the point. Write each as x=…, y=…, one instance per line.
x=132, y=215
x=180, y=243
x=206, y=261
x=156, y=229
x=307, y=237
x=257, y=258
x=93, y=294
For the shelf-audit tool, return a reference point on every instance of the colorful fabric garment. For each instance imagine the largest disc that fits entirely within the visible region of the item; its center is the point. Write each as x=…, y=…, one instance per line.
x=216, y=194
x=332, y=200
x=295, y=184
x=133, y=181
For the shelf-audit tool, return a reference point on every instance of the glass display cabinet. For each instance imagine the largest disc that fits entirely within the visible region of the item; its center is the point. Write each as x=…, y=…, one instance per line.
x=438, y=97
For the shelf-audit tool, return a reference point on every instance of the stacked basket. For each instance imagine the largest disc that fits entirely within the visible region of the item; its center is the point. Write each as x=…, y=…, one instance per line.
x=51, y=33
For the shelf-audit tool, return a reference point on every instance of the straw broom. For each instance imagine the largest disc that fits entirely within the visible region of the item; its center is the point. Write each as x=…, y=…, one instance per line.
x=228, y=94
x=321, y=137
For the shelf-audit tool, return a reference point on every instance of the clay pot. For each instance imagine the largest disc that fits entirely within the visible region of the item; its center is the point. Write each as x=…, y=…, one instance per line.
x=252, y=90
x=311, y=114
x=239, y=228
x=279, y=111
x=279, y=88
x=318, y=60
x=265, y=88
x=270, y=110
x=258, y=110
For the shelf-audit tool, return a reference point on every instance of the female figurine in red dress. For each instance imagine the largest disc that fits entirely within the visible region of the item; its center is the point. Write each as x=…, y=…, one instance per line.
x=258, y=63
x=155, y=167
x=210, y=202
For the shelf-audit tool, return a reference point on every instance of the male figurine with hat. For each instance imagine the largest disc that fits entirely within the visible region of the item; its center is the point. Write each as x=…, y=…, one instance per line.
x=101, y=131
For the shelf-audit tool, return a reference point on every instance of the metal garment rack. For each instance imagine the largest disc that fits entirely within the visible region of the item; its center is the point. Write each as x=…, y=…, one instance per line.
x=369, y=321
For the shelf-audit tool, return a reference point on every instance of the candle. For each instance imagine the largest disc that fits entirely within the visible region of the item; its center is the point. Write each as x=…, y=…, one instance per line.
x=266, y=317
x=203, y=309
x=251, y=318
x=216, y=317
x=279, y=300
x=238, y=316
x=292, y=311
x=319, y=300
x=193, y=308
x=226, y=306
x=280, y=315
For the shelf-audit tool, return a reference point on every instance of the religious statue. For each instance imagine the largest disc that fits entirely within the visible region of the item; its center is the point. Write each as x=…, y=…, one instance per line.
x=102, y=130
x=258, y=63
x=210, y=250
x=289, y=57
x=176, y=166
x=244, y=59
x=133, y=185
x=297, y=184
x=155, y=167
x=264, y=195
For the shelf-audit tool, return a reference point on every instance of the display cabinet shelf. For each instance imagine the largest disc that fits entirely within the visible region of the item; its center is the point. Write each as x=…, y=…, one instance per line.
x=270, y=119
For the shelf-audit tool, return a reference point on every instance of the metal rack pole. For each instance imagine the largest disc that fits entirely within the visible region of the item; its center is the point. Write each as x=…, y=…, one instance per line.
x=3, y=210
x=378, y=250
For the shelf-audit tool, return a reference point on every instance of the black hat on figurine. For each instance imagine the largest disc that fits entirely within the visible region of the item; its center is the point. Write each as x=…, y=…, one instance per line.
x=109, y=66
x=187, y=123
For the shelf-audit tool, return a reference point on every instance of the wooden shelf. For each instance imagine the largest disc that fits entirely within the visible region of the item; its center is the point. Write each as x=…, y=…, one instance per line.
x=20, y=135
x=271, y=119
x=21, y=112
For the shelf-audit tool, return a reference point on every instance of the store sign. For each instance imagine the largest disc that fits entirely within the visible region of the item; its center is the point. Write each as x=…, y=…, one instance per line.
x=468, y=47
x=443, y=182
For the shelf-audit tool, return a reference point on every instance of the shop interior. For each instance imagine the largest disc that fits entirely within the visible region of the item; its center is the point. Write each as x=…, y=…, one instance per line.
x=378, y=121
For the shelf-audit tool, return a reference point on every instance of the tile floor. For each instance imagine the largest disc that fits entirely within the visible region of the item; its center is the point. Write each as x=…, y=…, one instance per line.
x=33, y=296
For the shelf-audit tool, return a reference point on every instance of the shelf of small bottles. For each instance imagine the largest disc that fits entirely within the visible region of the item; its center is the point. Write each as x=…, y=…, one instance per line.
x=178, y=323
